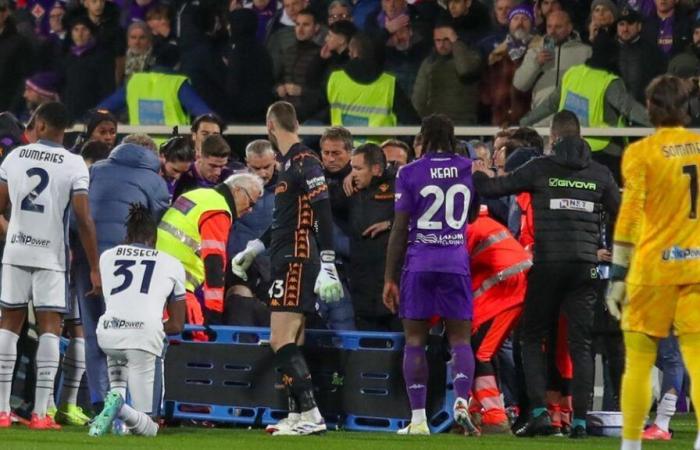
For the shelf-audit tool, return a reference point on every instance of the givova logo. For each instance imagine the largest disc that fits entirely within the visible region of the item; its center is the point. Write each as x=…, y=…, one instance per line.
x=576, y=184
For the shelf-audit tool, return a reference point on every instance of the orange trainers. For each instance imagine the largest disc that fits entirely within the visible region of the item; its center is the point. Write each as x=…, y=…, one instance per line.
x=654, y=433
x=43, y=423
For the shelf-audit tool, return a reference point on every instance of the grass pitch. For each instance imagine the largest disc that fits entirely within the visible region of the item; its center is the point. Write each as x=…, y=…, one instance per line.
x=240, y=439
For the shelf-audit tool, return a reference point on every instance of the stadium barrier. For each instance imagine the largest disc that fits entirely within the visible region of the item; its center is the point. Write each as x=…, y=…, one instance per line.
x=317, y=130
x=357, y=379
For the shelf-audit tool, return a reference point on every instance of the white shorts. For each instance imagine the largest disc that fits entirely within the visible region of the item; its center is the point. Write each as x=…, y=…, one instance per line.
x=141, y=373
x=48, y=289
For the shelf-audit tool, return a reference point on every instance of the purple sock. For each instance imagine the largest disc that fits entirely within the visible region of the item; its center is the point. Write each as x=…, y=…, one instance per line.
x=415, y=373
x=462, y=369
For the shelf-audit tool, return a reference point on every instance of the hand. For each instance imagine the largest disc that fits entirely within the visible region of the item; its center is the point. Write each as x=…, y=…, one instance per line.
x=391, y=296
x=480, y=166
x=242, y=261
x=593, y=31
x=615, y=297
x=604, y=255
x=96, y=281
x=348, y=185
x=328, y=286
x=293, y=90
x=326, y=52
x=377, y=228
x=499, y=157
x=394, y=25
x=281, y=91
x=544, y=56
x=452, y=35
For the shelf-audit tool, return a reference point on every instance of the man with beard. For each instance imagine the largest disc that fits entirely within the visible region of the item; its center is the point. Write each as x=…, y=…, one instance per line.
x=40, y=88
x=687, y=64
x=639, y=60
x=507, y=104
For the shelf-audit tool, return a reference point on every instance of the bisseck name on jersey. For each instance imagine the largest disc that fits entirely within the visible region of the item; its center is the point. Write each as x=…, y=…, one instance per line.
x=571, y=204
x=40, y=155
x=136, y=252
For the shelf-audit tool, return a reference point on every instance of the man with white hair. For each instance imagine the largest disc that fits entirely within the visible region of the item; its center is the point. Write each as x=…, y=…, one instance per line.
x=195, y=230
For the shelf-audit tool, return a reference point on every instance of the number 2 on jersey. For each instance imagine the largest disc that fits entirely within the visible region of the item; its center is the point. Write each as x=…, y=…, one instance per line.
x=124, y=270
x=28, y=201
x=692, y=171
x=426, y=222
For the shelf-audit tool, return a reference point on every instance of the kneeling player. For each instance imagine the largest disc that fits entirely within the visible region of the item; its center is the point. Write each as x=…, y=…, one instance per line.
x=138, y=282
x=433, y=197
x=499, y=265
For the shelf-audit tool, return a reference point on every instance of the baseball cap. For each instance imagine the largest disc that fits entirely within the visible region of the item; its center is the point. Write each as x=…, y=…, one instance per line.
x=629, y=15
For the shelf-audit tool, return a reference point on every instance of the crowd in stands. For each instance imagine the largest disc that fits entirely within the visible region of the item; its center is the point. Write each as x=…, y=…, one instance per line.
x=497, y=63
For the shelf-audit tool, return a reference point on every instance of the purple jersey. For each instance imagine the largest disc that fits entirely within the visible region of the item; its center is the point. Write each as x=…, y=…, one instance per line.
x=436, y=191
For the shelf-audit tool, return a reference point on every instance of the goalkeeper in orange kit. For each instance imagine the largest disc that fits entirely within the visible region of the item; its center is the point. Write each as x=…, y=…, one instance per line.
x=655, y=277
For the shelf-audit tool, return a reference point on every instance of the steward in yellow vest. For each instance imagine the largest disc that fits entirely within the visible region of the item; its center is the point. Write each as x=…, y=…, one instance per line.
x=195, y=230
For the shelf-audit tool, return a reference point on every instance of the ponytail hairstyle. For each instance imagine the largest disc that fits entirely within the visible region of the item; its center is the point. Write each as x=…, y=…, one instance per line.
x=140, y=225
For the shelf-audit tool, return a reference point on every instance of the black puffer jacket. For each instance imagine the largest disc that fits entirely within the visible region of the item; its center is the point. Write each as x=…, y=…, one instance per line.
x=569, y=192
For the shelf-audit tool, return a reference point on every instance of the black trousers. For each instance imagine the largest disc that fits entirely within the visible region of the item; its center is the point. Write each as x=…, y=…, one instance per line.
x=571, y=289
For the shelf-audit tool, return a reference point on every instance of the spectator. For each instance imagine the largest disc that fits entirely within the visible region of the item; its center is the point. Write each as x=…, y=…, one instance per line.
x=336, y=49
x=157, y=98
x=134, y=11
x=470, y=19
x=165, y=46
x=499, y=27
x=595, y=93
x=396, y=152
x=372, y=213
x=264, y=12
x=53, y=45
x=108, y=33
x=142, y=140
x=392, y=16
x=483, y=153
x=299, y=79
x=603, y=16
x=405, y=52
x=207, y=170
x=668, y=27
x=505, y=103
x=139, y=52
x=176, y=156
x=447, y=81
x=338, y=11
x=15, y=59
x=280, y=30
x=687, y=63
x=546, y=61
x=542, y=10
x=363, y=94
x=248, y=78
x=640, y=61
x=40, y=88
x=88, y=69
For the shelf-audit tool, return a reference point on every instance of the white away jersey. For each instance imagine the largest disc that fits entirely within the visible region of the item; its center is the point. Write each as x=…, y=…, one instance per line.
x=137, y=282
x=41, y=179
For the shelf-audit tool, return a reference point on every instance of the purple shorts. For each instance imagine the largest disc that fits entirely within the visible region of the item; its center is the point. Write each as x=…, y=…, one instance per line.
x=428, y=294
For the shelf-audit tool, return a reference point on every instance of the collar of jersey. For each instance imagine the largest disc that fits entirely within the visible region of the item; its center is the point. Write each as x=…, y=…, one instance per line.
x=49, y=143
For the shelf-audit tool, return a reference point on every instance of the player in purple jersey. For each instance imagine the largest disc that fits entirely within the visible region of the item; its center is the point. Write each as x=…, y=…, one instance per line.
x=434, y=200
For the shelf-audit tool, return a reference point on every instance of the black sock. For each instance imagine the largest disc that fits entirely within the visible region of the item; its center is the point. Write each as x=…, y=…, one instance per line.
x=293, y=403
x=297, y=376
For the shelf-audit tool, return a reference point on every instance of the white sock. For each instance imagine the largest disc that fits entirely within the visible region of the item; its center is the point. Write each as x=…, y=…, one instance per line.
x=118, y=375
x=629, y=444
x=73, y=370
x=138, y=422
x=47, y=357
x=418, y=416
x=665, y=410
x=312, y=415
x=8, y=356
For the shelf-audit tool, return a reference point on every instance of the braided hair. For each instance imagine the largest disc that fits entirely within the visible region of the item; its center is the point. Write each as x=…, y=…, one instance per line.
x=438, y=134
x=140, y=225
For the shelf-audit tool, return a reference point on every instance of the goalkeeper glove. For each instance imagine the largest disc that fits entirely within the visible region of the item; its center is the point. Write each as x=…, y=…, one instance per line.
x=328, y=285
x=621, y=257
x=242, y=261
